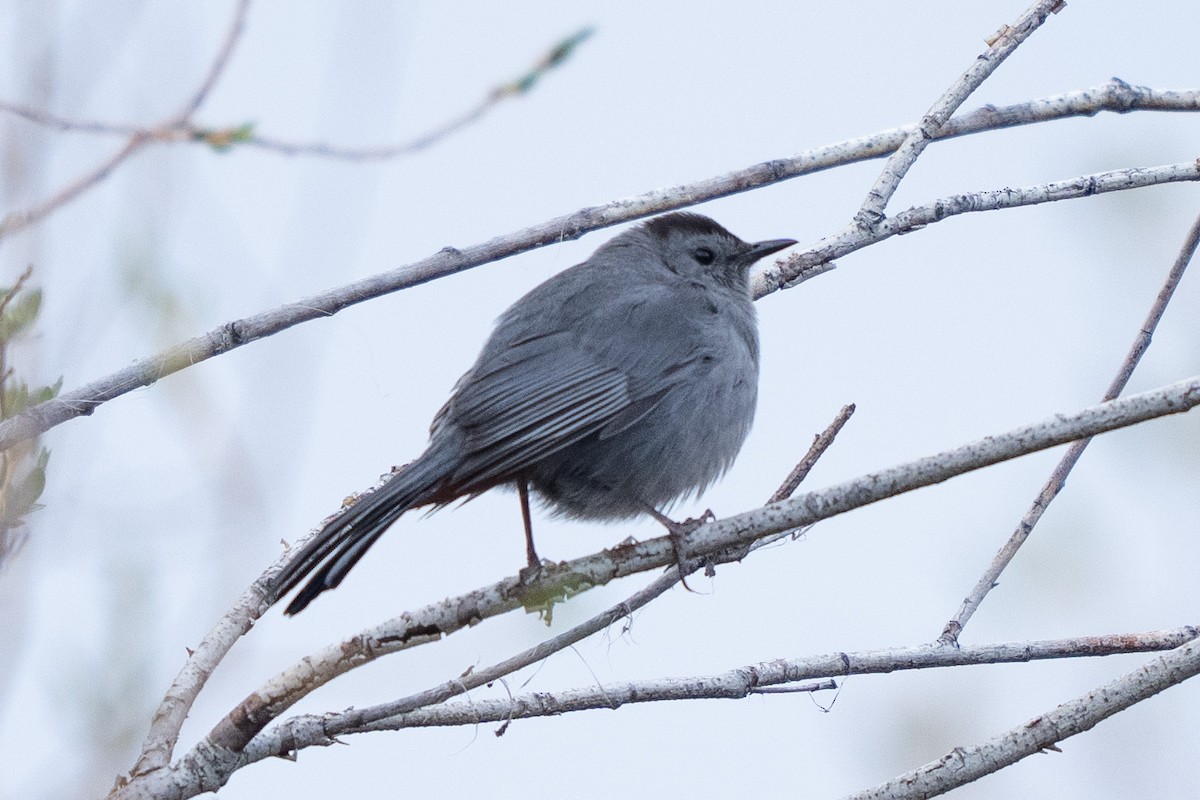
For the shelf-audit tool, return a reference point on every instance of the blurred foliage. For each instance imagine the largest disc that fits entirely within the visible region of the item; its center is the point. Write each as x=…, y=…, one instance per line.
x=22, y=466
x=222, y=139
x=557, y=55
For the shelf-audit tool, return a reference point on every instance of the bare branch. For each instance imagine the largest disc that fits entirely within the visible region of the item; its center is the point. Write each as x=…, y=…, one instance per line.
x=999, y=48
x=230, y=736
x=780, y=274
x=195, y=772
x=352, y=720
x=555, y=57
x=49, y=120
x=177, y=704
x=1117, y=96
x=738, y=683
x=820, y=444
x=220, y=752
x=84, y=400
x=963, y=765
x=1058, y=477
x=19, y=220
x=215, y=758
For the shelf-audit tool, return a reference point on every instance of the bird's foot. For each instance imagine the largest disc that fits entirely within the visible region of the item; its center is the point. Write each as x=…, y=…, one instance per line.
x=530, y=572
x=677, y=533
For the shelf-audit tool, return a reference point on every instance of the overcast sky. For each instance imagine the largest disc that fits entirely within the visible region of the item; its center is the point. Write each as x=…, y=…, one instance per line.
x=167, y=502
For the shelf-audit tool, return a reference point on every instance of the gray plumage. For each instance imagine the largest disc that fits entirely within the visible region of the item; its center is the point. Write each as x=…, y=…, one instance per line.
x=618, y=386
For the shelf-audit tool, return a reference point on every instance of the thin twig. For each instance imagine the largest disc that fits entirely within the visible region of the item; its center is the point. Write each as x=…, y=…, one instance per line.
x=1116, y=96
x=84, y=400
x=46, y=119
x=216, y=69
x=1058, y=477
x=220, y=753
x=963, y=765
x=19, y=220
x=852, y=238
x=553, y=58
x=820, y=444
x=178, y=127
x=1000, y=48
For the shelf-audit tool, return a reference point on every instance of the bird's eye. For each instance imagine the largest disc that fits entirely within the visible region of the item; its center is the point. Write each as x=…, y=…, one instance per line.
x=704, y=256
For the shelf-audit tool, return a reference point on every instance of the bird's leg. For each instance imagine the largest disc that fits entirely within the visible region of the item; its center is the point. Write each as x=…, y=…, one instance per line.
x=677, y=531
x=530, y=552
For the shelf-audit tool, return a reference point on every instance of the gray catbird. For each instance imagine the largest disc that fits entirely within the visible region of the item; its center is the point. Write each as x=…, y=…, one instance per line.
x=614, y=388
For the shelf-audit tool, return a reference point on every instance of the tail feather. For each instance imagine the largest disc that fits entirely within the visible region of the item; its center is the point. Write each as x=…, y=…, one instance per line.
x=342, y=542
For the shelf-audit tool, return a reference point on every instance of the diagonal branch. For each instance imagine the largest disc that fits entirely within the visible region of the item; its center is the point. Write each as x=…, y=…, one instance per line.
x=734, y=684
x=559, y=53
x=1058, y=477
x=197, y=772
x=477, y=678
x=84, y=400
x=222, y=748
x=781, y=274
x=897, y=166
x=19, y=220
x=168, y=719
x=177, y=704
x=820, y=444
x=963, y=765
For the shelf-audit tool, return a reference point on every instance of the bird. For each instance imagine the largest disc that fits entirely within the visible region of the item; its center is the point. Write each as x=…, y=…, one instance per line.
x=613, y=389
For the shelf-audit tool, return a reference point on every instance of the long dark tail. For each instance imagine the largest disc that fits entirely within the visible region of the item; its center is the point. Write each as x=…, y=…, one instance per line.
x=341, y=543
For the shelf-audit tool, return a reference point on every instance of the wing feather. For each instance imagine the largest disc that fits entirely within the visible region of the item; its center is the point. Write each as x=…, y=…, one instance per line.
x=530, y=401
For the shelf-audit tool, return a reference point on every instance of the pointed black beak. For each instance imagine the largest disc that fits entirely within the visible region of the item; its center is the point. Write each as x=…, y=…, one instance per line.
x=762, y=249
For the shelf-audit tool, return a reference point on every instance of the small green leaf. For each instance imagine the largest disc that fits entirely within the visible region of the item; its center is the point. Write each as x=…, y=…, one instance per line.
x=16, y=398
x=563, y=51
x=22, y=497
x=26, y=493
x=557, y=55
x=44, y=393
x=243, y=132
x=20, y=314
x=222, y=139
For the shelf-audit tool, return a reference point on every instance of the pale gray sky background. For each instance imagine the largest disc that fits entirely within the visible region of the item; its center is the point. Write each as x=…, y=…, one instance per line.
x=162, y=506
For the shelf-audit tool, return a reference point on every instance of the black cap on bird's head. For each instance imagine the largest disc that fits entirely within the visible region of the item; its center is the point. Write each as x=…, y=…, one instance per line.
x=707, y=246
x=685, y=222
